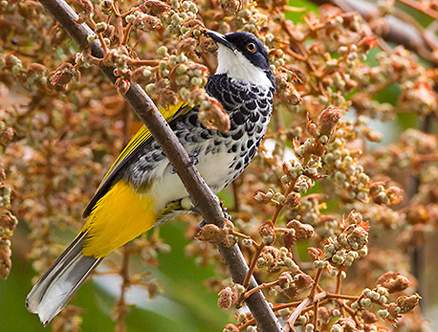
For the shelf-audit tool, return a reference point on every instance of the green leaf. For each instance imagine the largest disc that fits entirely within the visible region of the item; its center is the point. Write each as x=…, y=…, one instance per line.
x=298, y=17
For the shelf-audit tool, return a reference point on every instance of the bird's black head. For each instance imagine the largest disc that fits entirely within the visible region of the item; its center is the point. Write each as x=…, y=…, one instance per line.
x=243, y=56
x=251, y=47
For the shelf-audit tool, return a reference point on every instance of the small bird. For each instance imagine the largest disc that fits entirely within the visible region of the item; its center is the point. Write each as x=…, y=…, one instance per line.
x=142, y=189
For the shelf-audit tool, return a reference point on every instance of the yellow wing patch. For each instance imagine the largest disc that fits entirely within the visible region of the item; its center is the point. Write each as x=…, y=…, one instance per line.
x=169, y=113
x=142, y=135
x=118, y=217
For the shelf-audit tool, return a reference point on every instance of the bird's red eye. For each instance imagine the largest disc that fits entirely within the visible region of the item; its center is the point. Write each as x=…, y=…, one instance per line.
x=251, y=48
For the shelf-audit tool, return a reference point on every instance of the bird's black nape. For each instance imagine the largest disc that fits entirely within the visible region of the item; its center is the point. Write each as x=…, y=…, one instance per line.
x=251, y=47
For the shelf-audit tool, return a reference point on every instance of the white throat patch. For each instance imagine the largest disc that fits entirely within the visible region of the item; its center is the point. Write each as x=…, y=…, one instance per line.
x=238, y=67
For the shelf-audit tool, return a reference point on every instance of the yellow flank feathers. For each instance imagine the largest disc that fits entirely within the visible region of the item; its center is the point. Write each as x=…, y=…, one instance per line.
x=169, y=113
x=120, y=214
x=142, y=135
x=118, y=217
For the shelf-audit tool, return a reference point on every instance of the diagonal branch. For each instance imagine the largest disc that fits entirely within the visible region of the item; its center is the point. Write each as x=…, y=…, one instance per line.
x=203, y=198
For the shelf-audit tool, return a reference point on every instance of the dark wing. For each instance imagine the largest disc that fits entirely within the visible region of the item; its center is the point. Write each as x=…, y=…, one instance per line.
x=142, y=137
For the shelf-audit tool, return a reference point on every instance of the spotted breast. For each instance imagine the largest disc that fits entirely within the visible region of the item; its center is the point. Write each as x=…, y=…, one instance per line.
x=219, y=157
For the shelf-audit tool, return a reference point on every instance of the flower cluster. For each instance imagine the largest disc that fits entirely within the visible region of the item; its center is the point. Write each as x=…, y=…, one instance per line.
x=8, y=221
x=309, y=212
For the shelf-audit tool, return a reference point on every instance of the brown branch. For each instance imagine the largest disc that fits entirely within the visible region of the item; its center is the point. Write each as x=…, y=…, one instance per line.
x=342, y=296
x=235, y=187
x=203, y=198
x=121, y=307
x=315, y=283
x=395, y=29
x=301, y=307
x=253, y=264
x=126, y=33
x=322, y=299
x=144, y=62
x=338, y=282
x=259, y=287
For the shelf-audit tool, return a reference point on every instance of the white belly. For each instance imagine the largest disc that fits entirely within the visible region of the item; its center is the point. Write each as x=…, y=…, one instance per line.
x=168, y=187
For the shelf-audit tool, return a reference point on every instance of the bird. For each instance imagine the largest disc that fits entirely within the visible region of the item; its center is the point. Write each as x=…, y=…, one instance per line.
x=141, y=188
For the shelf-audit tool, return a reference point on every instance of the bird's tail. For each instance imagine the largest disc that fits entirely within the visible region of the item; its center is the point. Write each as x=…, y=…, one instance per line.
x=55, y=288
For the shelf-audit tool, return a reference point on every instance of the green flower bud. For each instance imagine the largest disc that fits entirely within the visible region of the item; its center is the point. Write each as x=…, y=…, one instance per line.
x=91, y=38
x=162, y=51
x=383, y=313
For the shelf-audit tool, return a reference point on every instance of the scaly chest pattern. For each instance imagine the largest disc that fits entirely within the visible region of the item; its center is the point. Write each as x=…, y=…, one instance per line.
x=219, y=157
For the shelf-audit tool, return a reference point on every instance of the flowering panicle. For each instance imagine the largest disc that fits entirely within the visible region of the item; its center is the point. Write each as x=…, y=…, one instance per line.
x=309, y=212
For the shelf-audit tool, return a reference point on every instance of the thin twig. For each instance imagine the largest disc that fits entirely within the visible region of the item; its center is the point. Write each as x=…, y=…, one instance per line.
x=126, y=33
x=259, y=287
x=315, y=283
x=235, y=187
x=338, y=282
x=252, y=265
x=241, y=235
x=144, y=62
x=342, y=296
x=300, y=308
x=321, y=298
x=121, y=308
x=297, y=312
x=312, y=297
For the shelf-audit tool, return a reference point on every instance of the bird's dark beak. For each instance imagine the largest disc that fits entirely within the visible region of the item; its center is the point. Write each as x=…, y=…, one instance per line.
x=220, y=39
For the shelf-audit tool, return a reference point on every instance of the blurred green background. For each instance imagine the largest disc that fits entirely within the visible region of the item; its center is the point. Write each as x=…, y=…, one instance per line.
x=185, y=305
